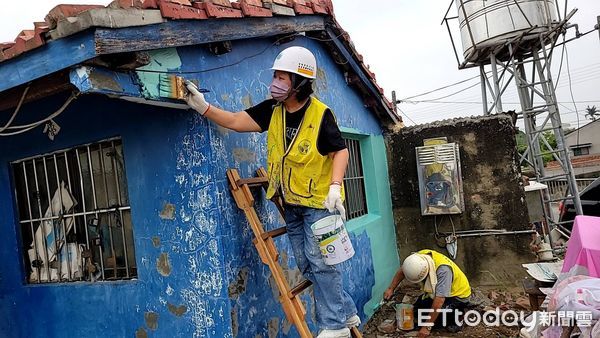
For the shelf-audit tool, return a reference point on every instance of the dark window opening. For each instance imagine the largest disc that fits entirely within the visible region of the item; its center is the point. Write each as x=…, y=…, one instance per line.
x=354, y=183
x=74, y=215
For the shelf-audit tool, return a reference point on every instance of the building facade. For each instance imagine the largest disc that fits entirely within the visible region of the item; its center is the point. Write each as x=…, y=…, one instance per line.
x=117, y=218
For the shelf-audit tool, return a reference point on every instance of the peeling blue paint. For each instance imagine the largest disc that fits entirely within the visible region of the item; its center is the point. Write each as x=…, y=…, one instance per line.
x=177, y=157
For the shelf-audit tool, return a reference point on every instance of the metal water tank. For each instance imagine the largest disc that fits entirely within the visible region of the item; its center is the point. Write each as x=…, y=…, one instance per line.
x=494, y=22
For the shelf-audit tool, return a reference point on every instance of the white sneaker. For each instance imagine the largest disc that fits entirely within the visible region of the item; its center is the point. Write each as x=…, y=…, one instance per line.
x=341, y=333
x=353, y=321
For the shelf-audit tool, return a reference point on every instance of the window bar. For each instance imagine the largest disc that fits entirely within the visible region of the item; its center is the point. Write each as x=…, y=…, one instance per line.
x=361, y=184
x=110, y=226
x=81, y=265
x=116, y=173
x=89, y=157
x=36, y=266
x=52, y=213
x=65, y=245
x=87, y=236
x=42, y=230
x=347, y=182
x=353, y=174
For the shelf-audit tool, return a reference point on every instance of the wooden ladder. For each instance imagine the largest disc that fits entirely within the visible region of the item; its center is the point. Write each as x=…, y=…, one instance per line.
x=263, y=240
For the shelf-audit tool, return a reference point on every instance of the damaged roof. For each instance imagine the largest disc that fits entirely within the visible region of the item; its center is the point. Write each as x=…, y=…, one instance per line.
x=124, y=26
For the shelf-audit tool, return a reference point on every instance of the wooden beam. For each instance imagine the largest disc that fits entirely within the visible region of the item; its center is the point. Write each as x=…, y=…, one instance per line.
x=50, y=58
x=176, y=33
x=40, y=88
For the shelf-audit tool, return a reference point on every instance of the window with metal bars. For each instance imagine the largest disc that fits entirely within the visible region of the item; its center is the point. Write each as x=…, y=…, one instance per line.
x=354, y=182
x=74, y=215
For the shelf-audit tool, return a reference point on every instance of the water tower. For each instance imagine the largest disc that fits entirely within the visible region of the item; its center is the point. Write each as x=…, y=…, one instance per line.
x=514, y=40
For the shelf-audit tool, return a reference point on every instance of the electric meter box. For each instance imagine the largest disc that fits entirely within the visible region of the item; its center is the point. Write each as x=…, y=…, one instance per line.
x=440, y=180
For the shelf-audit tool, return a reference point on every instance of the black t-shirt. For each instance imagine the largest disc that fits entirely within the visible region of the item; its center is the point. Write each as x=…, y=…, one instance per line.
x=329, y=140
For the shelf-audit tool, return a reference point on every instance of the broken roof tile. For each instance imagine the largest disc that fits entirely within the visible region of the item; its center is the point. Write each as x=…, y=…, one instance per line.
x=64, y=11
x=175, y=11
x=218, y=11
x=190, y=9
x=139, y=4
x=302, y=9
x=225, y=3
x=248, y=9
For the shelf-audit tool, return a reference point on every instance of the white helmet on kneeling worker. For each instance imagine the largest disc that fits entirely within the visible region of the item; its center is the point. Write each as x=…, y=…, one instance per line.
x=416, y=267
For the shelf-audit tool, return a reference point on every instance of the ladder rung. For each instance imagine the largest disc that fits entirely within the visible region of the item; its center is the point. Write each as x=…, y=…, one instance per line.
x=252, y=182
x=274, y=233
x=296, y=290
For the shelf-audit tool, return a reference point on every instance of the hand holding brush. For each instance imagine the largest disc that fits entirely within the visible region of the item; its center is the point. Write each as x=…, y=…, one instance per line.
x=195, y=98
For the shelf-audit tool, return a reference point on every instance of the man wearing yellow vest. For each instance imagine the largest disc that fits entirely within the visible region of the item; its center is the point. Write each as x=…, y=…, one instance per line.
x=444, y=284
x=306, y=162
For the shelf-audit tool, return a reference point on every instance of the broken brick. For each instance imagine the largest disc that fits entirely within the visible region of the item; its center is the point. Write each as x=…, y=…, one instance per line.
x=28, y=40
x=323, y=5
x=317, y=8
x=225, y=3
x=176, y=11
x=182, y=2
x=301, y=9
x=281, y=2
x=139, y=4
x=257, y=3
x=40, y=27
x=216, y=11
x=6, y=45
x=250, y=10
x=64, y=11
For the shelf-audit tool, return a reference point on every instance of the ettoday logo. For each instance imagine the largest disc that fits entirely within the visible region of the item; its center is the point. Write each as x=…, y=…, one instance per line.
x=498, y=317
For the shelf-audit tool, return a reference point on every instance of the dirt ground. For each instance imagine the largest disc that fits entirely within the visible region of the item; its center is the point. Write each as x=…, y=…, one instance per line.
x=486, y=299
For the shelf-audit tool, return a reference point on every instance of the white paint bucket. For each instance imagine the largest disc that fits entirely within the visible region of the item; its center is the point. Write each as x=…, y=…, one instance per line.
x=333, y=239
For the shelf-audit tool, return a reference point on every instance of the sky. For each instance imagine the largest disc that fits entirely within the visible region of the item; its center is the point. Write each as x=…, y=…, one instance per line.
x=411, y=53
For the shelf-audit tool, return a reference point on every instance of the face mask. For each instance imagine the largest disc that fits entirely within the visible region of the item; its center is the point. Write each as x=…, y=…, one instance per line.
x=279, y=90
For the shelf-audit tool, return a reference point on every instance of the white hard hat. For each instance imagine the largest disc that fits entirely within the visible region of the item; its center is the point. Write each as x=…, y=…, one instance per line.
x=297, y=60
x=415, y=267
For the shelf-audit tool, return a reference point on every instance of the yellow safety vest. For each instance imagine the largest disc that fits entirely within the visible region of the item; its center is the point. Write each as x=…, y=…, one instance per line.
x=460, y=284
x=302, y=173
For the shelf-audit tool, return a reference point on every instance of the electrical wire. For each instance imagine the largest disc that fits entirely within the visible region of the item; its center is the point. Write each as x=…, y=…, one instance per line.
x=218, y=67
x=571, y=91
x=27, y=127
x=441, y=88
x=12, y=118
x=562, y=54
x=242, y=59
x=408, y=117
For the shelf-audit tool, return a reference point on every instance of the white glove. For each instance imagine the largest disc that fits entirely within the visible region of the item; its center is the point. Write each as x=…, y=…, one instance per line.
x=195, y=99
x=334, y=200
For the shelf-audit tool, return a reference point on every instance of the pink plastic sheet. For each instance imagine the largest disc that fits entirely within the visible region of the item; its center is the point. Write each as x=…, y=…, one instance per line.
x=583, y=252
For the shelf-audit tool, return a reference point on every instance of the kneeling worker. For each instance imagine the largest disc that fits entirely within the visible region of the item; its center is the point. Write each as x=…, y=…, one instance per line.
x=444, y=284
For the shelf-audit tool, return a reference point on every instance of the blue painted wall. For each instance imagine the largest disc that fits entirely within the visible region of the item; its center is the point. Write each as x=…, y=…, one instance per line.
x=174, y=156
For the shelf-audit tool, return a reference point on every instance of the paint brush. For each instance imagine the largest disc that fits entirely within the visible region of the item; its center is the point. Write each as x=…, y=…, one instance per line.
x=173, y=87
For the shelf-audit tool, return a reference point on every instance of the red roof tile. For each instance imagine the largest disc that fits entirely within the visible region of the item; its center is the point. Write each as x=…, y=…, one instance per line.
x=188, y=9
